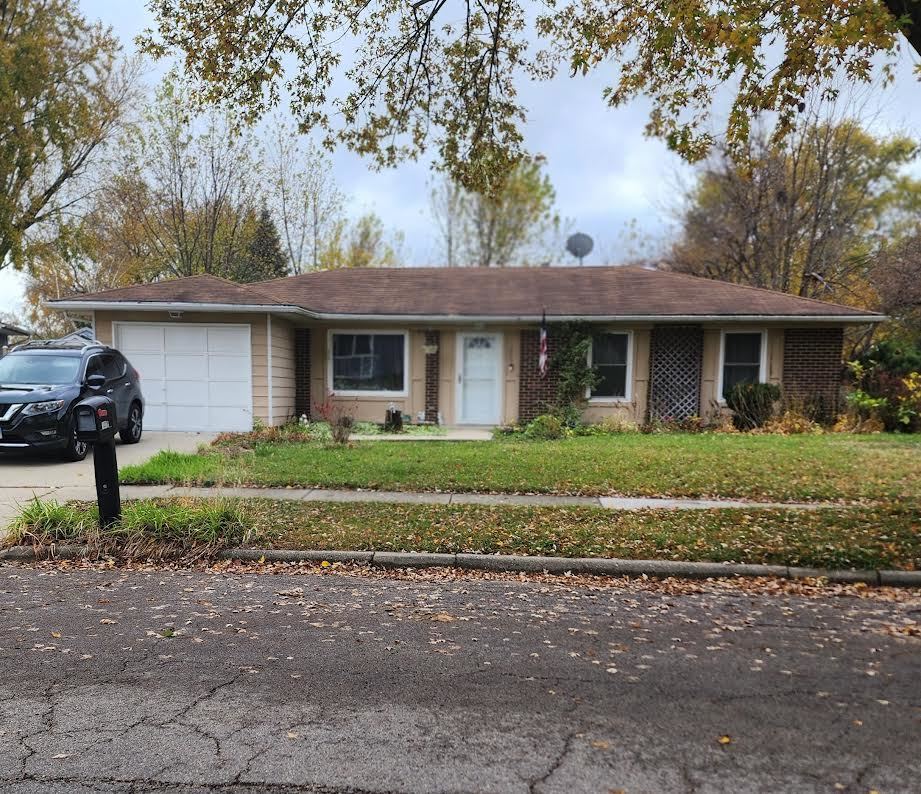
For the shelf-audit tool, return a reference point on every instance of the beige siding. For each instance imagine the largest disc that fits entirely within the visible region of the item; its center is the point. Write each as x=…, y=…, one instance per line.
x=257, y=323
x=283, y=374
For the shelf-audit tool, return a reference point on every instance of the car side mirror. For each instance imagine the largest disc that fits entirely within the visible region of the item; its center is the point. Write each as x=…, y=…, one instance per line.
x=96, y=381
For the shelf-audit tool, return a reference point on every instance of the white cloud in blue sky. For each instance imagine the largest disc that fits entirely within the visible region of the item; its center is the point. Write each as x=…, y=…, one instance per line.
x=605, y=171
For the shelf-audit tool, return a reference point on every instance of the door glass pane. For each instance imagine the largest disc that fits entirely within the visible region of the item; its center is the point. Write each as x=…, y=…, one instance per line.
x=480, y=381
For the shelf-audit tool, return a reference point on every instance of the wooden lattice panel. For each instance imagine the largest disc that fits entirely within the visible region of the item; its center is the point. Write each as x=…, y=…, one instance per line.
x=675, y=368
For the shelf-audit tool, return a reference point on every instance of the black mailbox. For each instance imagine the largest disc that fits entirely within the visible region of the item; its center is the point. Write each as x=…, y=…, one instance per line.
x=95, y=420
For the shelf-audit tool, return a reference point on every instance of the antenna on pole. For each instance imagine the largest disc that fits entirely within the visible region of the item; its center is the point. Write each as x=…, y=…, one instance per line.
x=580, y=246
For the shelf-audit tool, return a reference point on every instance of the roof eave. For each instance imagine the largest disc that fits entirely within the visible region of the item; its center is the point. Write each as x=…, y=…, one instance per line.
x=66, y=305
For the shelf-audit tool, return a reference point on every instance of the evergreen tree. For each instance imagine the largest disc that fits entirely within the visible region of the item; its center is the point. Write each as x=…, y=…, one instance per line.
x=263, y=258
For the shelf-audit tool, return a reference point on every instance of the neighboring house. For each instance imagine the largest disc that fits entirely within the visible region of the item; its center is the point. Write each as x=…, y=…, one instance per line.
x=458, y=344
x=8, y=332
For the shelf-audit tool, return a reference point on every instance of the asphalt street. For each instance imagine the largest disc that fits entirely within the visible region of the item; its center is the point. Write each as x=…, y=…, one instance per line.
x=149, y=681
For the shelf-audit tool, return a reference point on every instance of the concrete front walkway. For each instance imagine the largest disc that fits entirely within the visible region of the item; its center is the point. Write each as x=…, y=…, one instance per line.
x=69, y=492
x=449, y=434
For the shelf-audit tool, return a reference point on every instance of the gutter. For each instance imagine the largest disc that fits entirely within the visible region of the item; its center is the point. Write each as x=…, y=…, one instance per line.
x=89, y=306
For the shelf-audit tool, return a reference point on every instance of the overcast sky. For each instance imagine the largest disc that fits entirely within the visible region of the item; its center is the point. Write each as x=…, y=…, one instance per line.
x=606, y=174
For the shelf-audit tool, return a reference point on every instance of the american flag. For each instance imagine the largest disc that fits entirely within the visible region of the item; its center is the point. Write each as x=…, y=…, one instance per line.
x=542, y=356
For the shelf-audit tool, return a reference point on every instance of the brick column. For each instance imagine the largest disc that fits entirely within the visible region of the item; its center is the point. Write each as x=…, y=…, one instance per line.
x=302, y=372
x=535, y=394
x=812, y=368
x=432, y=372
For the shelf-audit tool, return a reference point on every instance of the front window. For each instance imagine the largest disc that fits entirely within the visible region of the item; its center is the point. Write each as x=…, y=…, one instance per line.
x=741, y=359
x=369, y=362
x=610, y=356
x=38, y=370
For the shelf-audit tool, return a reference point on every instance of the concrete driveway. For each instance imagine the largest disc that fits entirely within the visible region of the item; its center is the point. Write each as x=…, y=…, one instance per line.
x=23, y=477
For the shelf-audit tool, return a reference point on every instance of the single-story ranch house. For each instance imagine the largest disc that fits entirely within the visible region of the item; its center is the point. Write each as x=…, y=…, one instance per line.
x=459, y=345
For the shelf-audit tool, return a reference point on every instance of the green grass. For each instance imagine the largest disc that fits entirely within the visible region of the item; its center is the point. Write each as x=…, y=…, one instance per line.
x=826, y=538
x=146, y=528
x=785, y=468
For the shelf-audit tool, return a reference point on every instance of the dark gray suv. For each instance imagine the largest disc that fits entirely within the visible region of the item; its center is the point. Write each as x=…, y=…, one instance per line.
x=41, y=381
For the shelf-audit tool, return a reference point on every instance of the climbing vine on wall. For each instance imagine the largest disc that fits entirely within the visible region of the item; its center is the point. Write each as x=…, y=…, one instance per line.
x=571, y=343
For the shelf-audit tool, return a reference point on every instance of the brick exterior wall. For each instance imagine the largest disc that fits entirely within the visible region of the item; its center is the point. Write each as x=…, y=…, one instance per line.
x=432, y=373
x=534, y=392
x=812, y=367
x=302, y=372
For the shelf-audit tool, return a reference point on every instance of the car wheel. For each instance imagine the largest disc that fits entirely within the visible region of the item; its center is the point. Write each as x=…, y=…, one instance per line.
x=134, y=427
x=76, y=449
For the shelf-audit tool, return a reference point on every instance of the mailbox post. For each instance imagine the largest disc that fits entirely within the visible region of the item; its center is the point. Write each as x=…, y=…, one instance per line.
x=96, y=424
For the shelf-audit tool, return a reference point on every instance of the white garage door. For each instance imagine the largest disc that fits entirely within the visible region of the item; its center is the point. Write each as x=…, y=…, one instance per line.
x=193, y=377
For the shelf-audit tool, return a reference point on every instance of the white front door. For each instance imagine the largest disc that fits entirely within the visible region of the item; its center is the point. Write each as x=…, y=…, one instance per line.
x=193, y=377
x=479, y=379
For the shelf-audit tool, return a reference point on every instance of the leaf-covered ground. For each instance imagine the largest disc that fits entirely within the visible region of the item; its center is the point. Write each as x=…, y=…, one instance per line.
x=883, y=468
x=825, y=538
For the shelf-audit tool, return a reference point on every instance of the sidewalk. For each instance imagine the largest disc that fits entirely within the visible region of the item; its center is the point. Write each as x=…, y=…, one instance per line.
x=9, y=496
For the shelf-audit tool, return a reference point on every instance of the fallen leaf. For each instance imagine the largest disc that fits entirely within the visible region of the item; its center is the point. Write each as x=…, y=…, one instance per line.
x=601, y=744
x=108, y=622
x=725, y=739
x=56, y=635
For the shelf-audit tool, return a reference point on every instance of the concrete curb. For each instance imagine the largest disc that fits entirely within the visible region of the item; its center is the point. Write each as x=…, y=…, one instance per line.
x=524, y=564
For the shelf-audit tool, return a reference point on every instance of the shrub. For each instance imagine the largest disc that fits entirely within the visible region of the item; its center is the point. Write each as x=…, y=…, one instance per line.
x=340, y=420
x=545, y=427
x=892, y=356
x=792, y=422
x=752, y=404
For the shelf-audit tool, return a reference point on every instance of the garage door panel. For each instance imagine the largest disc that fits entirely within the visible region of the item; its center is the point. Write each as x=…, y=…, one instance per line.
x=225, y=394
x=193, y=377
x=228, y=340
x=187, y=393
x=186, y=417
x=186, y=339
x=231, y=418
x=180, y=366
x=140, y=338
x=150, y=365
x=233, y=368
x=154, y=416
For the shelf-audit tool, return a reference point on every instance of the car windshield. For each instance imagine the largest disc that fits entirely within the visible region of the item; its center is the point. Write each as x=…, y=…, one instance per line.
x=35, y=370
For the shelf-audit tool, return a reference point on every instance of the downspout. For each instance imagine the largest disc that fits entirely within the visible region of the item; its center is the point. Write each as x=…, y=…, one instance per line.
x=270, y=374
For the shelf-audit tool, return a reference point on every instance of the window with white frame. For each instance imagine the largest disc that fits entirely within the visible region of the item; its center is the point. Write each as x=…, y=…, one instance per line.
x=743, y=355
x=610, y=357
x=368, y=362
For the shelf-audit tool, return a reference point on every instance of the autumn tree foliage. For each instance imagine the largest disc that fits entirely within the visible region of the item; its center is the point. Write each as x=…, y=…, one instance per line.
x=393, y=79
x=897, y=276
x=517, y=225
x=64, y=94
x=806, y=215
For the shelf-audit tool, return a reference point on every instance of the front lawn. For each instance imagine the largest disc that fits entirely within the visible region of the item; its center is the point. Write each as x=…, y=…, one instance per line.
x=837, y=467
x=874, y=538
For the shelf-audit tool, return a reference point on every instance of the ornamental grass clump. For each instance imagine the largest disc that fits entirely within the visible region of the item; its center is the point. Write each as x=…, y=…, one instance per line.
x=179, y=528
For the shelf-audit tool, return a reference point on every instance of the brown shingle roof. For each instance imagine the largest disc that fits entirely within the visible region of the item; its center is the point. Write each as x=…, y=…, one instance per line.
x=491, y=292
x=191, y=289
